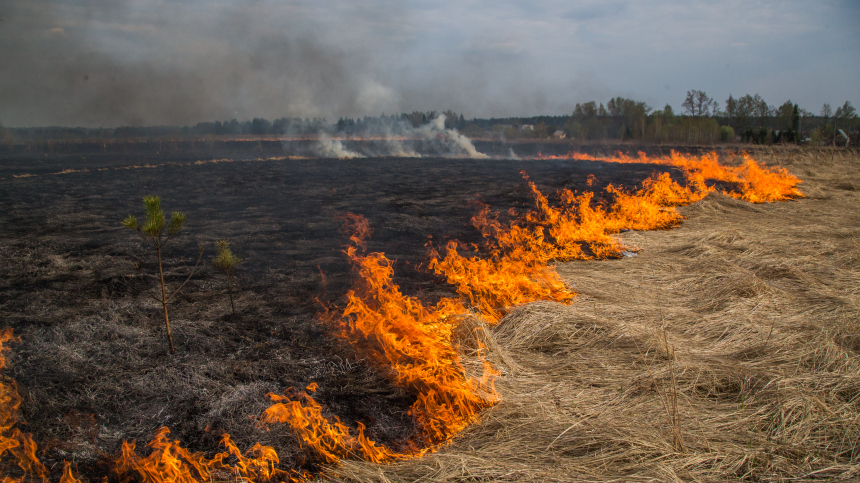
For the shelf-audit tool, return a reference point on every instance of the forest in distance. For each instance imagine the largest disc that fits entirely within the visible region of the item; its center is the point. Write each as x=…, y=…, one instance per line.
x=704, y=120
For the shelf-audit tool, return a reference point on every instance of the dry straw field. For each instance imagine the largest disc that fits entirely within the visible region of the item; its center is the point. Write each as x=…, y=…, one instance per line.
x=728, y=349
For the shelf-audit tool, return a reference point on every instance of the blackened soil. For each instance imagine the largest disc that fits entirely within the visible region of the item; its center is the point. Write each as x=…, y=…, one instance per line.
x=92, y=364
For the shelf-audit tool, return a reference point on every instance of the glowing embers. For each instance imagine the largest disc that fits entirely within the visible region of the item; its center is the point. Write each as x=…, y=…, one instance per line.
x=751, y=181
x=414, y=341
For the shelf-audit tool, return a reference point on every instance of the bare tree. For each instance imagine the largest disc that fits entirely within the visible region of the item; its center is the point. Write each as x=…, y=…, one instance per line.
x=698, y=103
x=846, y=117
x=761, y=110
x=846, y=112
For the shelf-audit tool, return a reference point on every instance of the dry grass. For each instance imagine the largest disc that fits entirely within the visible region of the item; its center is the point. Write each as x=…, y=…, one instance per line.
x=729, y=349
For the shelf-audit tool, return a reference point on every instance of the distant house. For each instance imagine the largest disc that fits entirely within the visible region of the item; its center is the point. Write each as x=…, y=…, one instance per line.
x=527, y=127
x=559, y=134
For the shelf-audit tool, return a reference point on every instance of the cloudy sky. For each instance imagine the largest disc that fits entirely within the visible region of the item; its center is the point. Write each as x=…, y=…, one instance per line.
x=141, y=62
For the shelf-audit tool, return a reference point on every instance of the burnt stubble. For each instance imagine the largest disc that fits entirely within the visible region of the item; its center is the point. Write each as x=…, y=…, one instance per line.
x=93, y=366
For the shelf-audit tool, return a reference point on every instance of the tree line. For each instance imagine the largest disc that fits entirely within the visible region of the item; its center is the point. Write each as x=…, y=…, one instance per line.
x=748, y=119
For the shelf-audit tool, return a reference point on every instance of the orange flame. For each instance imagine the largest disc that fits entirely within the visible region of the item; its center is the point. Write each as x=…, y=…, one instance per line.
x=415, y=341
x=514, y=273
x=68, y=475
x=169, y=462
x=332, y=440
x=516, y=269
x=15, y=445
x=753, y=182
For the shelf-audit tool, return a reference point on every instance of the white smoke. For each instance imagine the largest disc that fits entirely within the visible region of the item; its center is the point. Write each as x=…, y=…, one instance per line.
x=400, y=139
x=327, y=147
x=457, y=145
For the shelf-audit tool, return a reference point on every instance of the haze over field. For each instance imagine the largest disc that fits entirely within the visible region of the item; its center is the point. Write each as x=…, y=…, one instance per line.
x=143, y=62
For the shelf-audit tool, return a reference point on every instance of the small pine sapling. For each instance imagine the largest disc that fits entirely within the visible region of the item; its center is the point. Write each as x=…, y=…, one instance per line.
x=226, y=261
x=152, y=233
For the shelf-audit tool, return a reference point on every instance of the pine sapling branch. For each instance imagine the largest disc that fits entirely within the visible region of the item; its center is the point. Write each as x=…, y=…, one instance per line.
x=226, y=261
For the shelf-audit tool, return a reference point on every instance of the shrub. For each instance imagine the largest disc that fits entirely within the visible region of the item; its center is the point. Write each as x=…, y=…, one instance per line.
x=727, y=134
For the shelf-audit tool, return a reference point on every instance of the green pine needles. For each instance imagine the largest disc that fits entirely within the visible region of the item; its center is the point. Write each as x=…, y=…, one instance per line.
x=152, y=232
x=226, y=261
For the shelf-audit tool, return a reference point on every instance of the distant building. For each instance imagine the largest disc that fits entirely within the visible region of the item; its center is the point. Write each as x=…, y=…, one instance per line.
x=559, y=134
x=527, y=127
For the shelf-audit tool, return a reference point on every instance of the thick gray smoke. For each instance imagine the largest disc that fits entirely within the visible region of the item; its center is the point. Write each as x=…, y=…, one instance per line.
x=139, y=62
x=109, y=64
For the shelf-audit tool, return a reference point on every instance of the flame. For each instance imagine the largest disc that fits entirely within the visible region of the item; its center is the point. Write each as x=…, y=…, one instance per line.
x=68, y=475
x=415, y=341
x=752, y=182
x=15, y=445
x=514, y=273
x=517, y=271
x=331, y=440
x=169, y=462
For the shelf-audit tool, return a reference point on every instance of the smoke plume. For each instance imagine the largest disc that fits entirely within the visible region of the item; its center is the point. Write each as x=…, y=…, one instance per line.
x=399, y=138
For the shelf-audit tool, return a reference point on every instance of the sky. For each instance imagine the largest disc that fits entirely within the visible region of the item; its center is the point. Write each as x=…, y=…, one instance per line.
x=108, y=63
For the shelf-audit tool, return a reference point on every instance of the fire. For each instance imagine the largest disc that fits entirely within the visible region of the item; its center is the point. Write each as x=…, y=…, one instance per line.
x=415, y=341
x=169, y=462
x=68, y=475
x=331, y=440
x=16, y=447
x=752, y=182
x=514, y=273
x=516, y=270
x=513, y=266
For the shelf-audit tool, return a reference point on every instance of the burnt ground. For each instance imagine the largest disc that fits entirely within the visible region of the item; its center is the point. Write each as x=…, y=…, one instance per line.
x=92, y=365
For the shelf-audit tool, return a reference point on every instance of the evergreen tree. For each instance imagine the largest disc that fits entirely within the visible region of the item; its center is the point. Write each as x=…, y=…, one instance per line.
x=226, y=261
x=151, y=231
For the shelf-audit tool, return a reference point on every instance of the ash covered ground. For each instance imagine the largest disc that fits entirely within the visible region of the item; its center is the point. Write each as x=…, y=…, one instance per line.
x=92, y=365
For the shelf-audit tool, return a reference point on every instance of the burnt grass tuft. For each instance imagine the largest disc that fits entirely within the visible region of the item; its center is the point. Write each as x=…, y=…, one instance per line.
x=93, y=367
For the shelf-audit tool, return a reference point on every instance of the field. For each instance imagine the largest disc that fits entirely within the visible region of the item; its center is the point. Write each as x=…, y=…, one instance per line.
x=727, y=349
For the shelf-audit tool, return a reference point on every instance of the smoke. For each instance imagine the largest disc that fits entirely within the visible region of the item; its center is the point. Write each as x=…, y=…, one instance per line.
x=105, y=64
x=448, y=141
x=145, y=62
x=108, y=63
x=327, y=147
x=399, y=139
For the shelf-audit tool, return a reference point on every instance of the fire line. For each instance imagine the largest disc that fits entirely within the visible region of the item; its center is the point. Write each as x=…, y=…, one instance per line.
x=514, y=266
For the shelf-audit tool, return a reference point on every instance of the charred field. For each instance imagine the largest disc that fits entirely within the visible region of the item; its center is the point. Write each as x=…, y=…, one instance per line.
x=92, y=365
x=727, y=349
